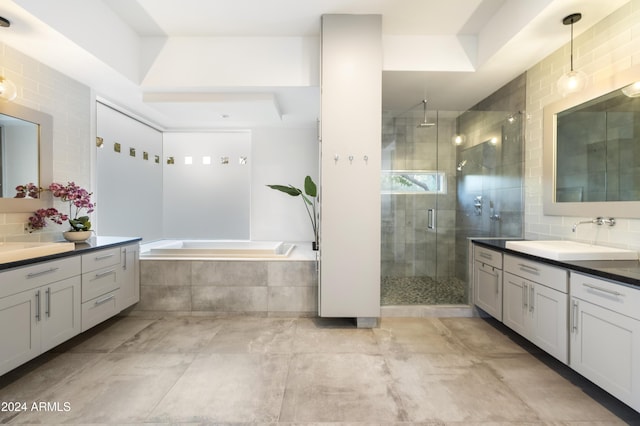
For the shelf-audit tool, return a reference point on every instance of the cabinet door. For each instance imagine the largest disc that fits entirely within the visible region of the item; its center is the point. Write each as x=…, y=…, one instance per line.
x=515, y=303
x=488, y=289
x=604, y=348
x=129, y=293
x=548, y=316
x=60, y=306
x=19, y=329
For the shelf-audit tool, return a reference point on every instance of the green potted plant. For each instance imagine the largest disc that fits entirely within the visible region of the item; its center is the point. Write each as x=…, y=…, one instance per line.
x=309, y=197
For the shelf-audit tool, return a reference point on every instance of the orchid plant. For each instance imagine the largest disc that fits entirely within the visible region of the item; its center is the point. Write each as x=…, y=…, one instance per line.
x=79, y=199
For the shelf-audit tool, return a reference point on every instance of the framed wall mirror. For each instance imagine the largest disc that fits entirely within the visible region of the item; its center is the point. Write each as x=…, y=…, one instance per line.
x=592, y=151
x=26, y=147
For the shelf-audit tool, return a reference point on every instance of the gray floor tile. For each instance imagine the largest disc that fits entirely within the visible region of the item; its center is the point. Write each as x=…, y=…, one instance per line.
x=227, y=388
x=344, y=387
x=267, y=371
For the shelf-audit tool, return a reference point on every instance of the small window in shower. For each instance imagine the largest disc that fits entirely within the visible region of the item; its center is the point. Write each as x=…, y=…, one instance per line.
x=413, y=182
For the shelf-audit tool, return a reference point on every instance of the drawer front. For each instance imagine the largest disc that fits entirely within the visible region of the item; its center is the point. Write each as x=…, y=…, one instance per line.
x=100, y=259
x=616, y=297
x=487, y=256
x=550, y=276
x=99, y=282
x=99, y=309
x=17, y=280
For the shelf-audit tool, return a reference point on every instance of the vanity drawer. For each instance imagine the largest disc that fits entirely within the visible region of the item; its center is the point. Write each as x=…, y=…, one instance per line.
x=487, y=256
x=99, y=309
x=550, y=276
x=100, y=259
x=99, y=282
x=610, y=295
x=20, y=279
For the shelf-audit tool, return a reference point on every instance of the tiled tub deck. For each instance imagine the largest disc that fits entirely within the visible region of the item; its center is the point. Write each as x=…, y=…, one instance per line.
x=228, y=287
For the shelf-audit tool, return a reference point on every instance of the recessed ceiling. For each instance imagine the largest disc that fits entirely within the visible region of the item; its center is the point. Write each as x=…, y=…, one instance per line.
x=211, y=63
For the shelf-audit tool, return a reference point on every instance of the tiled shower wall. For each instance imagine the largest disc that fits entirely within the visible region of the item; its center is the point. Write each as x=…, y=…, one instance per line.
x=44, y=89
x=408, y=247
x=492, y=171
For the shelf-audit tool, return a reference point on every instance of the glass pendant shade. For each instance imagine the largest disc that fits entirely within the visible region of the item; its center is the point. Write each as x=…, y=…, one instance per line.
x=632, y=90
x=8, y=91
x=572, y=82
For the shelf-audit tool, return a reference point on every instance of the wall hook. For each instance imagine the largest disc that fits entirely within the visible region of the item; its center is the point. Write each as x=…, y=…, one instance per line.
x=351, y=159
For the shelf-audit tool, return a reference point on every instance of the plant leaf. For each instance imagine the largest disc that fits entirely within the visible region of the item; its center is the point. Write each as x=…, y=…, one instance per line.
x=291, y=190
x=310, y=187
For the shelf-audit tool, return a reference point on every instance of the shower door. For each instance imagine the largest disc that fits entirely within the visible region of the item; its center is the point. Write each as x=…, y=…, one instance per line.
x=418, y=211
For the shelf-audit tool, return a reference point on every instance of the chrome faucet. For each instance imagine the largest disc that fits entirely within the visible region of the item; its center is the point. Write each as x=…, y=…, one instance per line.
x=598, y=221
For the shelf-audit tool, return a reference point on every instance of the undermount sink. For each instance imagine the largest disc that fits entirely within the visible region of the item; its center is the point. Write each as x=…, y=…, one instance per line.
x=570, y=250
x=13, y=252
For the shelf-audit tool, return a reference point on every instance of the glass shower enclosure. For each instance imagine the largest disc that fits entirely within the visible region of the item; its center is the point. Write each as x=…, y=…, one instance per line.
x=418, y=185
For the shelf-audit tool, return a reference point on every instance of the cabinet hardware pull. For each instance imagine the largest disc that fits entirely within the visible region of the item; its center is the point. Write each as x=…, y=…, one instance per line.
x=124, y=264
x=529, y=268
x=103, y=257
x=532, y=296
x=104, y=299
x=485, y=255
x=604, y=290
x=105, y=273
x=525, y=292
x=48, y=305
x=38, y=305
x=37, y=274
x=574, y=317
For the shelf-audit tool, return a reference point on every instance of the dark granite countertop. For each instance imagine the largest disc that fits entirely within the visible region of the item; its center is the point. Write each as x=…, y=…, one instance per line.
x=92, y=244
x=623, y=271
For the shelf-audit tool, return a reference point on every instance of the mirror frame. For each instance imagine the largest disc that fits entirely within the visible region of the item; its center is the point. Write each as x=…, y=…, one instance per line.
x=45, y=160
x=627, y=209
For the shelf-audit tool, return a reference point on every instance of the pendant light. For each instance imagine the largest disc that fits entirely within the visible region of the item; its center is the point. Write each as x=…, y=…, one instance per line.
x=573, y=81
x=8, y=90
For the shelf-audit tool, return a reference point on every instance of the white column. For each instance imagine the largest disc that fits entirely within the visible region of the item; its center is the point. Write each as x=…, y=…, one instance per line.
x=350, y=167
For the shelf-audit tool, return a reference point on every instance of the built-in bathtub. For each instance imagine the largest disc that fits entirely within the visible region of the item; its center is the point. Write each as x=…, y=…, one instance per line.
x=214, y=277
x=242, y=249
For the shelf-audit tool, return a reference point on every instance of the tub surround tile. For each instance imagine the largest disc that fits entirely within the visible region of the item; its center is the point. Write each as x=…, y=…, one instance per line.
x=164, y=298
x=165, y=272
x=229, y=299
x=229, y=273
x=292, y=274
x=301, y=299
x=222, y=287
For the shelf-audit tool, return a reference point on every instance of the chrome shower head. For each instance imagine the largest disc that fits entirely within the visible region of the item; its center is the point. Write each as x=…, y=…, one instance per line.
x=425, y=123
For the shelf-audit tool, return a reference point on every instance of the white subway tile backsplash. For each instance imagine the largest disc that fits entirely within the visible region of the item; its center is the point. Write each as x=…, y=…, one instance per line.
x=69, y=102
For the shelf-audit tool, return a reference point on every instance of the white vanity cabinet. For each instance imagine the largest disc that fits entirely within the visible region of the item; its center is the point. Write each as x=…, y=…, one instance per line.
x=110, y=283
x=605, y=335
x=130, y=276
x=535, y=304
x=487, y=280
x=39, y=309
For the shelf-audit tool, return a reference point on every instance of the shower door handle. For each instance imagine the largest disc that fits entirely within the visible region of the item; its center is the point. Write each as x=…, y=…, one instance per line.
x=431, y=219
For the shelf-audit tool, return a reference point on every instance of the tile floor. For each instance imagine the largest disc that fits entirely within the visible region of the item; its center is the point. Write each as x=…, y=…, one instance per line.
x=197, y=370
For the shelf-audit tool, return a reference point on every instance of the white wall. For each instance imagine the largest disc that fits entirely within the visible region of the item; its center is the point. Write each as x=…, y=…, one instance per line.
x=207, y=201
x=609, y=47
x=282, y=157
